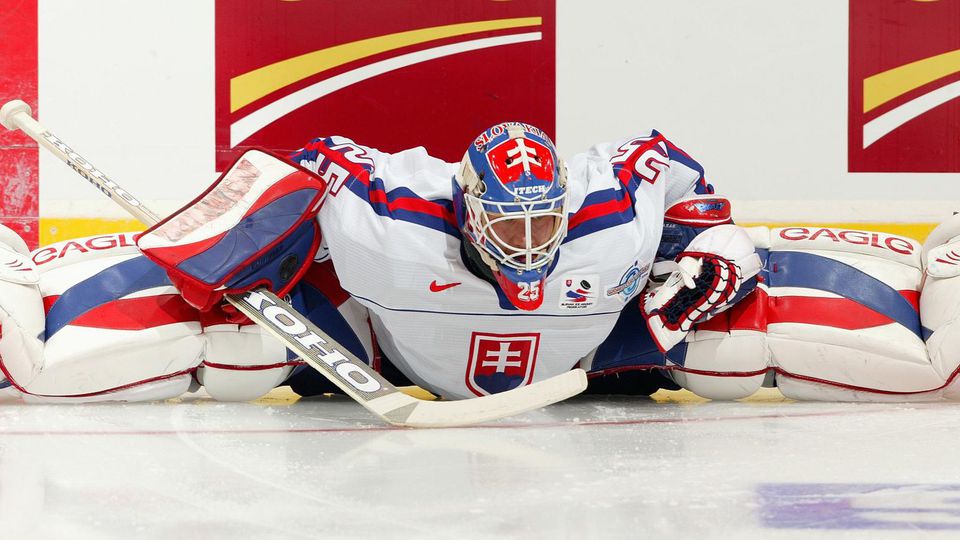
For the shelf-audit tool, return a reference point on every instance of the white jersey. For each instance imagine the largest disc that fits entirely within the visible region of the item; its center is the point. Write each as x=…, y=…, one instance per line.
x=389, y=226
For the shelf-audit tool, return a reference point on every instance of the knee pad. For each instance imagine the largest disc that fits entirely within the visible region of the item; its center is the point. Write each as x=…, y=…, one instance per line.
x=242, y=363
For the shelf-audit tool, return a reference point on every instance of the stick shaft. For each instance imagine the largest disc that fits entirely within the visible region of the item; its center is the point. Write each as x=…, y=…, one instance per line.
x=22, y=120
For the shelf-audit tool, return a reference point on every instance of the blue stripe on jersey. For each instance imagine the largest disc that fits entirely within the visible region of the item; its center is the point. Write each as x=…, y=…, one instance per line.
x=675, y=153
x=358, y=188
x=625, y=213
x=110, y=284
x=5, y=384
x=308, y=152
x=604, y=221
x=798, y=269
x=703, y=188
x=678, y=155
x=404, y=214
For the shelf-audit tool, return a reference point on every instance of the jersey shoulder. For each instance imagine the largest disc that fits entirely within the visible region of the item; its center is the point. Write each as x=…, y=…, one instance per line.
x=629, y=180
x=380, y=189
x=647, y=161
x=611, y=173
x=412, y=171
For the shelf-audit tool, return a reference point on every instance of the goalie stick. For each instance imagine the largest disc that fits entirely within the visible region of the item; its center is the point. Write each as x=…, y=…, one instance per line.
x=315, y=347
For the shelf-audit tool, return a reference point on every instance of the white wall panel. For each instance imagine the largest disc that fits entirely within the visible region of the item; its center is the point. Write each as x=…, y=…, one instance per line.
x=755, y=89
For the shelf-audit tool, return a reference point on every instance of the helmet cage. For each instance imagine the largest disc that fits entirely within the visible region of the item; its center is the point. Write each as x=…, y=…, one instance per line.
x=482, y=215
x=511, y=173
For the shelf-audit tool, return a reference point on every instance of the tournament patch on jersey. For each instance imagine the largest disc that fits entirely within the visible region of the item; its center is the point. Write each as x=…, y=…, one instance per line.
x=632, y=280
x=580, y=292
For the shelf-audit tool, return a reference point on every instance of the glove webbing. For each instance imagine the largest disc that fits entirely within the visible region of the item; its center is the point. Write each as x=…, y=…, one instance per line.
x=687, y=301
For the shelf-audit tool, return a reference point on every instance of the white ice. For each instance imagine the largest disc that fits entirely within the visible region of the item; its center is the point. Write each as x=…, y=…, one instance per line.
x=593, y=467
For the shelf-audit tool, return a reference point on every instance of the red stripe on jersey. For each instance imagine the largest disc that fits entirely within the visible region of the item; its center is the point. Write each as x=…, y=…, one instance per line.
x=377, y=195
x=615, y=206
x=599, y=210
x=138, y=313
x=412, y=204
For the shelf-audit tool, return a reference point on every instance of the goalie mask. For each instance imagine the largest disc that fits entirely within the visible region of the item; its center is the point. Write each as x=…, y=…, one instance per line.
x=510, y=194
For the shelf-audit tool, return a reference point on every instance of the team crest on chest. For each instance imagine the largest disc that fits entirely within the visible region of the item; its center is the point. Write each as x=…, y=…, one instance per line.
x=579, y=292
x=500, y=362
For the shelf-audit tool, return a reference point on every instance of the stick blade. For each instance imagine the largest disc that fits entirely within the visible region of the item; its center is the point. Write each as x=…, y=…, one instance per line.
x=402, y=410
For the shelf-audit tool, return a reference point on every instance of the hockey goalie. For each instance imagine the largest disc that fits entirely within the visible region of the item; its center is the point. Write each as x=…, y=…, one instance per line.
x=475, y=278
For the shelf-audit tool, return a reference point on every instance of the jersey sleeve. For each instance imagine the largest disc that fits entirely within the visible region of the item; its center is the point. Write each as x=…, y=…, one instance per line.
x=685, y=176
x=652, y=160
x=338, y=160
x=407, y=186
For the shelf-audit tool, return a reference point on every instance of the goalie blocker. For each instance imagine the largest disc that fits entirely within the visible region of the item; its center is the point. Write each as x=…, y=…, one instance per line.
x=255, y=226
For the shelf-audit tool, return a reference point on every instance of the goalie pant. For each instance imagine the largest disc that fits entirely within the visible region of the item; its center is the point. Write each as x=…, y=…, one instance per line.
x=838, y=315
x=100, y=322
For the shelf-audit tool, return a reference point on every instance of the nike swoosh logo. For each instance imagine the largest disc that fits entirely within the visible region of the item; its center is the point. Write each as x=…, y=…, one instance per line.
x=436, y=287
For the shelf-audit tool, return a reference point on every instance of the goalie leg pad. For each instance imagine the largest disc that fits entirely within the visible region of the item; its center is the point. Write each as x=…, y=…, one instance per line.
x=159, y=390
x=22, y=321
x=115, y=324
x=835, y=318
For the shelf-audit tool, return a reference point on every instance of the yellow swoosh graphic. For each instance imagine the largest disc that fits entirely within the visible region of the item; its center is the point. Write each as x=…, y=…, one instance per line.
x=253, y=85
x=882, y=87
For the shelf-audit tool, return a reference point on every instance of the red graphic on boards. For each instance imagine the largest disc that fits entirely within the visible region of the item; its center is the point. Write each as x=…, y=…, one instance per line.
x=390, y=75
x=904, y=86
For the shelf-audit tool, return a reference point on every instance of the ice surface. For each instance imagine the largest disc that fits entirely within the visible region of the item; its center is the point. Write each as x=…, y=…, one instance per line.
x=592, y=467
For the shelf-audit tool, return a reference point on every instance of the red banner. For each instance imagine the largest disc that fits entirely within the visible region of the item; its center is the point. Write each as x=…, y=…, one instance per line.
x=19, y=159
x=904, y=87
x=390, y=74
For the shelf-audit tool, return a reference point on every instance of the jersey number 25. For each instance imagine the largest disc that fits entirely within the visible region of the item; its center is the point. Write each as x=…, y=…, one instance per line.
x=529, y=292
